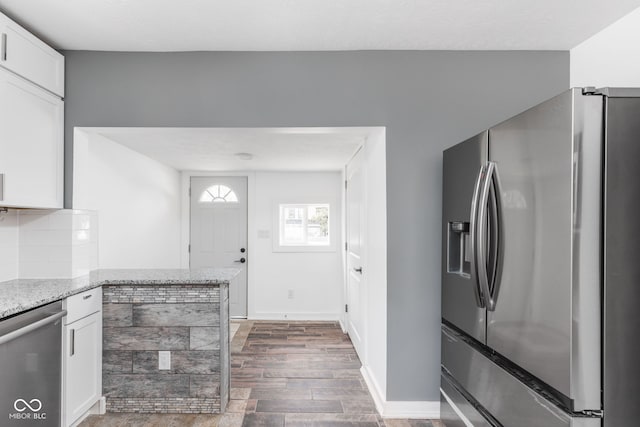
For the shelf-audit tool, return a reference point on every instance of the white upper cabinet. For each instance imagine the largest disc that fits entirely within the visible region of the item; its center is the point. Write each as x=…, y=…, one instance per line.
x=27, y=56
x=31, y=145
x=31, y=120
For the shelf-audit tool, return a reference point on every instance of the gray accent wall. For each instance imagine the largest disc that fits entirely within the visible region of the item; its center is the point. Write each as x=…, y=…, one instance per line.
x=426, y=100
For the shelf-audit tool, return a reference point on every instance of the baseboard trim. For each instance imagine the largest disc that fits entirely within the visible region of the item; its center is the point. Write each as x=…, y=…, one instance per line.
x=374, y=389
x=399, y=409
x=343, y=326
x=98, y=408
x=412, y=410
x=330, y=317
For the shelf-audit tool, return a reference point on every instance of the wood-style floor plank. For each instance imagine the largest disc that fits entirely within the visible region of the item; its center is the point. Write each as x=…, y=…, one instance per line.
x=285, y=374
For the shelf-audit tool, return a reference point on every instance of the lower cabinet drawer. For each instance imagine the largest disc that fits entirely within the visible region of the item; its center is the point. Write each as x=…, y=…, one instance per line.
x=83, y=304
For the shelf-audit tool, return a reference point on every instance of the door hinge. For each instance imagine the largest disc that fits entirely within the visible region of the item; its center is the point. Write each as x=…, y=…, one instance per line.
x=345, y=184
x=346, y=308
x=346, y=247
x=189, y=249
x=189, y=191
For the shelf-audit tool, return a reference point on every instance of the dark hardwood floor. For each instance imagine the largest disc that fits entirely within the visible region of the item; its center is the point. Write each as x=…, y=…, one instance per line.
x=285, y=374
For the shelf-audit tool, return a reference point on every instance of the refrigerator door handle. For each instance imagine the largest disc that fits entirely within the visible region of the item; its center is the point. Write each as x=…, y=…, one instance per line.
x=489, y=286
x=473, y=233
x=498, y=244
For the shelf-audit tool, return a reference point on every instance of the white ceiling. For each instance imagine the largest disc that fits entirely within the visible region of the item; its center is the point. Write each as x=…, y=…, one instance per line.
x=214, y=149
x=283, y=25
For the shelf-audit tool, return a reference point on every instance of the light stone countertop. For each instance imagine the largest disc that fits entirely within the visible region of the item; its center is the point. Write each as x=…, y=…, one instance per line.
x=23, y=294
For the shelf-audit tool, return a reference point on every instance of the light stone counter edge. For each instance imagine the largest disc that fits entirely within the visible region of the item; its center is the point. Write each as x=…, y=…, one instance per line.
x=21, y=295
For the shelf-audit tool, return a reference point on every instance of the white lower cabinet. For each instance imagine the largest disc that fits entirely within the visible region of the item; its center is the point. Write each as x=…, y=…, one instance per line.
x=82, y=358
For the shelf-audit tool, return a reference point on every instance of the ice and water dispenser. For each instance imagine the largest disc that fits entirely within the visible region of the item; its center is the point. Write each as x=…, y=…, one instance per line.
x=459, y=249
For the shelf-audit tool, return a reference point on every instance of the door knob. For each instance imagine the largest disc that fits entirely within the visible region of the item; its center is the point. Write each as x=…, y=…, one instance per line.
x=358, y=270
x=241, y=260
x=243, y=250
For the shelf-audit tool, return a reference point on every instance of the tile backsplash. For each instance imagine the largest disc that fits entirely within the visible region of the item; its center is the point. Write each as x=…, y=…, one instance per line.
x=8, y=245
x=49, y=244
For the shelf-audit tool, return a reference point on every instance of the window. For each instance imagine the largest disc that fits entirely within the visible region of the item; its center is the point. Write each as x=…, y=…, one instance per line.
x=304, y=225
x=218, y=194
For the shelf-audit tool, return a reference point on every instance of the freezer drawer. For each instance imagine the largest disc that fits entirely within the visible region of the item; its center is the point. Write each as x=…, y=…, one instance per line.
x=451, y=417
x=506, y=398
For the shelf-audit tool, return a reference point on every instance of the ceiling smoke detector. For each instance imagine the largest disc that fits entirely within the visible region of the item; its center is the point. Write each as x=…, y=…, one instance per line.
x=244, y=156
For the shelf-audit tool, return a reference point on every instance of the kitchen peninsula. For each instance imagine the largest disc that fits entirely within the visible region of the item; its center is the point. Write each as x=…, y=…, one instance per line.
x=165, y=334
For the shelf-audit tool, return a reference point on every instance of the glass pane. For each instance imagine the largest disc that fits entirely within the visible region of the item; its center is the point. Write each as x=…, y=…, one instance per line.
x=218, y=194
x=318, y=225
x=205, y=197
x=292, y=224
x=304, y=225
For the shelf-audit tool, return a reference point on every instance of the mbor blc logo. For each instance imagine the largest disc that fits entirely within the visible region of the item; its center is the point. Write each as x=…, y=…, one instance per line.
x=28, y=410
x=21, y=405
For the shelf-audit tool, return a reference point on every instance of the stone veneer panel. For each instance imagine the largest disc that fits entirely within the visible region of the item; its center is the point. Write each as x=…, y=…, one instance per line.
x=225, y=349
x=115, y=362
x=149, y=338
x=204, y=338
x=175, y=314
x=118, y=314
x=165, y=405
x=121, y=294
x=189, y=321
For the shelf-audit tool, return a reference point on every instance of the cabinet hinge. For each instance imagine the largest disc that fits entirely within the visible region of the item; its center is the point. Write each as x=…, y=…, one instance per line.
x=346, y=308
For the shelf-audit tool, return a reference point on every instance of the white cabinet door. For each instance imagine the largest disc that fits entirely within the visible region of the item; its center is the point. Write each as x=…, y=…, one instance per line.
x=31, y=144
x=26, y=55
x=83, y=366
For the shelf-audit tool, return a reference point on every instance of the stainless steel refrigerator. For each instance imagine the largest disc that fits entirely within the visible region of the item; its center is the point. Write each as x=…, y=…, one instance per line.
x=541, y=267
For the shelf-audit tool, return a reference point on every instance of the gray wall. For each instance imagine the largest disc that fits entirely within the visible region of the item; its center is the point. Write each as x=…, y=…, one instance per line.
x=427, y=101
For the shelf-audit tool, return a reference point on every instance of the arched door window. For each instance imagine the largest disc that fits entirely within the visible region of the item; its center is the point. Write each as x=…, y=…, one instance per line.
x=218, y=194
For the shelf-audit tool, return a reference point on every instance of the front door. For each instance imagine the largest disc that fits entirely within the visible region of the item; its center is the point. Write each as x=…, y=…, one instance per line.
x=219, y=231
x=355, y=274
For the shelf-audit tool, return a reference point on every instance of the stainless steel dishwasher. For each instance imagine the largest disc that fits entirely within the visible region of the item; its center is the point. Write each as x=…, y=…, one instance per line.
x=30, y=367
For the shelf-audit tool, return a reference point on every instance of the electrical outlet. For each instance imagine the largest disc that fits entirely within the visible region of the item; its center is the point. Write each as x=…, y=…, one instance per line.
x=290, y=294
x=164, y=360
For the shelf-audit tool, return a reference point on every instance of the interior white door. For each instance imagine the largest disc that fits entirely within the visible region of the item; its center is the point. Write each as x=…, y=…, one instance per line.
x=356, y=299
x=219, y=231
